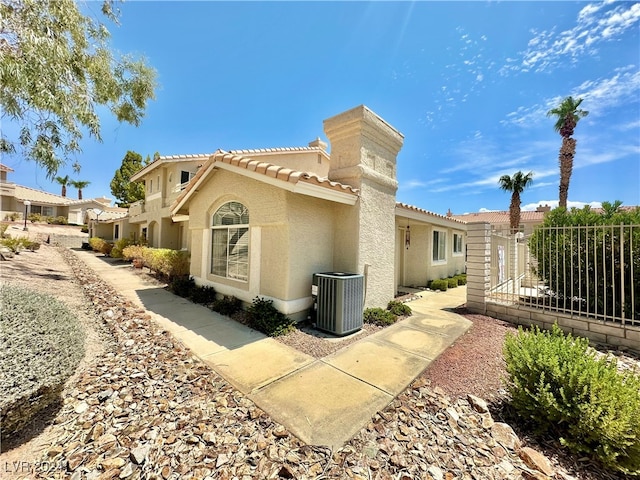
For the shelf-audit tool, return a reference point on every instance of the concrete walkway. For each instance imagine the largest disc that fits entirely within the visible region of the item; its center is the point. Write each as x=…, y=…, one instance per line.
x=321, y=401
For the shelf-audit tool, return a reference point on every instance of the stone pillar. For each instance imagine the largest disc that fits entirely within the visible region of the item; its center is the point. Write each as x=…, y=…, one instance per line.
x=478, y=266
x=363, y=154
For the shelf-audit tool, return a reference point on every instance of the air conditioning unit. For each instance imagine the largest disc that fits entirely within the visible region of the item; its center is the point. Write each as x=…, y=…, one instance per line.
x=339, y=301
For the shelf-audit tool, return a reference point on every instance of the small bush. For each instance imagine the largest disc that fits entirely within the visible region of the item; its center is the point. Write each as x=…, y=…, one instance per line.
x=35, y=217
x=399, y=309
x=378, y=316
x=132, y=252
x=556, y=383
x=84, y=229
x=203, y=294
x=59, y=220
x=119, y=246
x=32, y=246
x=3, y=229
x=227, y=305
x=182, y=286
x=263, y=316
x=452, y=282
x=14, y=244
x=42, y=342
x=440, y=284
x=462, y=279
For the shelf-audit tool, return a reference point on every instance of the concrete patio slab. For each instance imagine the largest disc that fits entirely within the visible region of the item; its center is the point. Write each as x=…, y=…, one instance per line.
x=254, y=365
x=424, y=344
x=320, y=404
x=379, y=364
x=452, y=326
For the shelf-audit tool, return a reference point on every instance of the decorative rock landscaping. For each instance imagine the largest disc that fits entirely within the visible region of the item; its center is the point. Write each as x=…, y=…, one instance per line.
x=146, y=408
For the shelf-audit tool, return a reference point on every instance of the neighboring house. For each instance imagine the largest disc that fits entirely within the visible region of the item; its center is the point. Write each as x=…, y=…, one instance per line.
x=500, y=221
x=43, y=203
x=109, y=223
x=262, y=222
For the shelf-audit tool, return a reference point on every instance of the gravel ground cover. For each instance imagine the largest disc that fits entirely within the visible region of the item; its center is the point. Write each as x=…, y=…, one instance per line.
x=141, y=406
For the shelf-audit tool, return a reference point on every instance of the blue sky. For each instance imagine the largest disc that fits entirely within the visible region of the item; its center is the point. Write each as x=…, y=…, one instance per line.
x=467, y=84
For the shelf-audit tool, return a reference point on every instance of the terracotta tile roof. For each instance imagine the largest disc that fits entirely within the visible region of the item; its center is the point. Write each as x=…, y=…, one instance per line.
x=280, y=173
x=500, y=217
x=169, y=158
x=276, y=150
x=427, y=212
x=267, y=169
x=40, y=196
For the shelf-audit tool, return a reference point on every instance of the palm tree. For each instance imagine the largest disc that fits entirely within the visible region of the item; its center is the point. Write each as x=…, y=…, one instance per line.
x=79, y=184
x=516, y=186
x=64, y=181
x=567, y=116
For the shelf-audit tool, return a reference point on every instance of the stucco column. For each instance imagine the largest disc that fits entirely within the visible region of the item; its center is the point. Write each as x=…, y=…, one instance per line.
x=363, y=154
x=478, y=266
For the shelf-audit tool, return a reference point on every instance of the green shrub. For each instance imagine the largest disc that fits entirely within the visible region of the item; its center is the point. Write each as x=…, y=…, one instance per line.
x=131, y=252
x=441, y=284
x=556, y=382
x=3, y=229
x=182, y=286
x=84, y=229
x=119, y=246
x=35, y=217
x=14, y=244
x=33, y=246
x=378, y=316
x=42, y=342
x=163, y=261
x=452, y=282
x=462, y=279
x=227, y=305
x=59, y=220
x=203, y=294
x=399, y=309
x=263, y=316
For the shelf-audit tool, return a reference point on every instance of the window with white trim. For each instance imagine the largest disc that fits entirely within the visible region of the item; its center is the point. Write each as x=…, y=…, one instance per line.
x=439, y=246
x=457, y=244
x=230, y=241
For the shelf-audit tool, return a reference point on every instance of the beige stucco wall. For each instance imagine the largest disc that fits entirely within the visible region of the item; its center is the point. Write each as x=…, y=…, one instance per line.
x=291, y=237
x=419, y=267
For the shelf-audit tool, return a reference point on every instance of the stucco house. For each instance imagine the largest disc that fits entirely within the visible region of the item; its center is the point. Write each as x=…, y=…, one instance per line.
x=13, y=198
x=262, y=222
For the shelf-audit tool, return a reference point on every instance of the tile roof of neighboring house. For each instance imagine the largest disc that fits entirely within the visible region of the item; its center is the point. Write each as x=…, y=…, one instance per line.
x=268, y=170
x=169, y=159
x=40, y=196
x=204, y=156
x=4, y=168
x=499, y=217
x=427, y=212
x=110, y=213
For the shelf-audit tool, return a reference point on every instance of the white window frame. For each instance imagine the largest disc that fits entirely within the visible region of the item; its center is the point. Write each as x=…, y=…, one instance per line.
x=224, y=229
x=458, y=241
x=439, y=238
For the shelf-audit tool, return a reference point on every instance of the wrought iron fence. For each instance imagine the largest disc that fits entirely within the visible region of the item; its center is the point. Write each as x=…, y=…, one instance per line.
x=590, y=271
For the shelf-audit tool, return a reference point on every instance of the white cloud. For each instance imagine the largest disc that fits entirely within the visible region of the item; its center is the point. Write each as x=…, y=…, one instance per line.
x=598, y=96
x=595, y=23
x=531, y=207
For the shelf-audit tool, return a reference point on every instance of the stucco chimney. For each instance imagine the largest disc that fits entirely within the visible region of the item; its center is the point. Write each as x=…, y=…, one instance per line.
x=545, y=208
x=363, y=155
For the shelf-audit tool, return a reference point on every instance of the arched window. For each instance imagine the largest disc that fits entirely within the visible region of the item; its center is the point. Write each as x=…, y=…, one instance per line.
x=230, y=241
